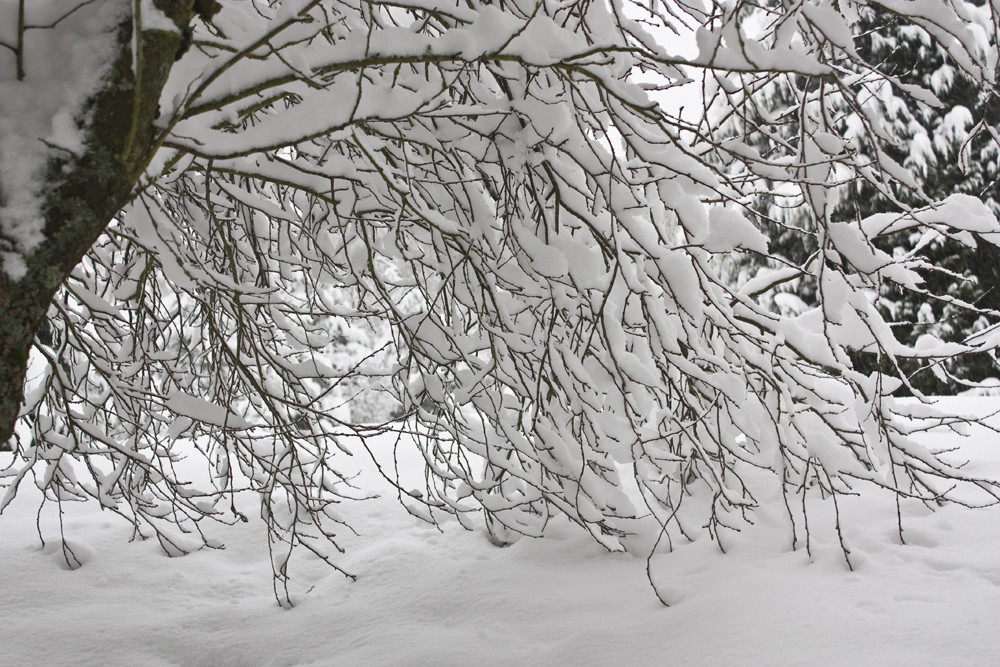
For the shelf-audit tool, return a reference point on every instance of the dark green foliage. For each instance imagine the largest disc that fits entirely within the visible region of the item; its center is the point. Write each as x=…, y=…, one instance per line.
x=945, y=157
x=955, y=164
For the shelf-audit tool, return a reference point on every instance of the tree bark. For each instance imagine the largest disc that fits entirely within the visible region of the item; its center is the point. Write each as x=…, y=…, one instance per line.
x=86, y=192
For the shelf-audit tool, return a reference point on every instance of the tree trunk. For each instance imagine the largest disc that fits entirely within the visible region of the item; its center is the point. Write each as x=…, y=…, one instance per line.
x=87, y=191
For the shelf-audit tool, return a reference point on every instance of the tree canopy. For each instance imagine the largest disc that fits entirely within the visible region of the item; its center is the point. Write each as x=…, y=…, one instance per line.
x=495, y=193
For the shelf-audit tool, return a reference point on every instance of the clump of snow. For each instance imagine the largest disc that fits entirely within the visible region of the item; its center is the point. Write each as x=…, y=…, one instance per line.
x=204, y=411
x=13, y=263
x=67, y=51
x=729, y=229
x=154, y=19
x=988, y=387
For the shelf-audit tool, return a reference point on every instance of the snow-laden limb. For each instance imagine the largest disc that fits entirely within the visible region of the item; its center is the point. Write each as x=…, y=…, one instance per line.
x=540, y=241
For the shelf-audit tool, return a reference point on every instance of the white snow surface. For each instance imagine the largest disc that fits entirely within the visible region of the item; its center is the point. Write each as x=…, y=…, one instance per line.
x=67, y=51
x=424, y=597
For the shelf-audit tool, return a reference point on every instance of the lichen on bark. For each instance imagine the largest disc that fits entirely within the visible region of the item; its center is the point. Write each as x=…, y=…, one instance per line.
x=83, y=193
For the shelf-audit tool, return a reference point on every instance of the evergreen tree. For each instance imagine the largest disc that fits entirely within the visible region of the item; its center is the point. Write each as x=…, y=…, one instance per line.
x=946, y=146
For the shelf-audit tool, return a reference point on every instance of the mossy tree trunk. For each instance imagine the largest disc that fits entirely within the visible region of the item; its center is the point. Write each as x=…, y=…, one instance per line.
x=86, y=192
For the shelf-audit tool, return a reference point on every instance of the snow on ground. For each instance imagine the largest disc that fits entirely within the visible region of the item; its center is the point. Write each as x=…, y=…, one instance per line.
x=427, y=598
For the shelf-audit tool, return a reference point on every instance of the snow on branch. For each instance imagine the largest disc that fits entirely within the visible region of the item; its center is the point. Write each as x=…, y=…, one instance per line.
x=475, y=208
